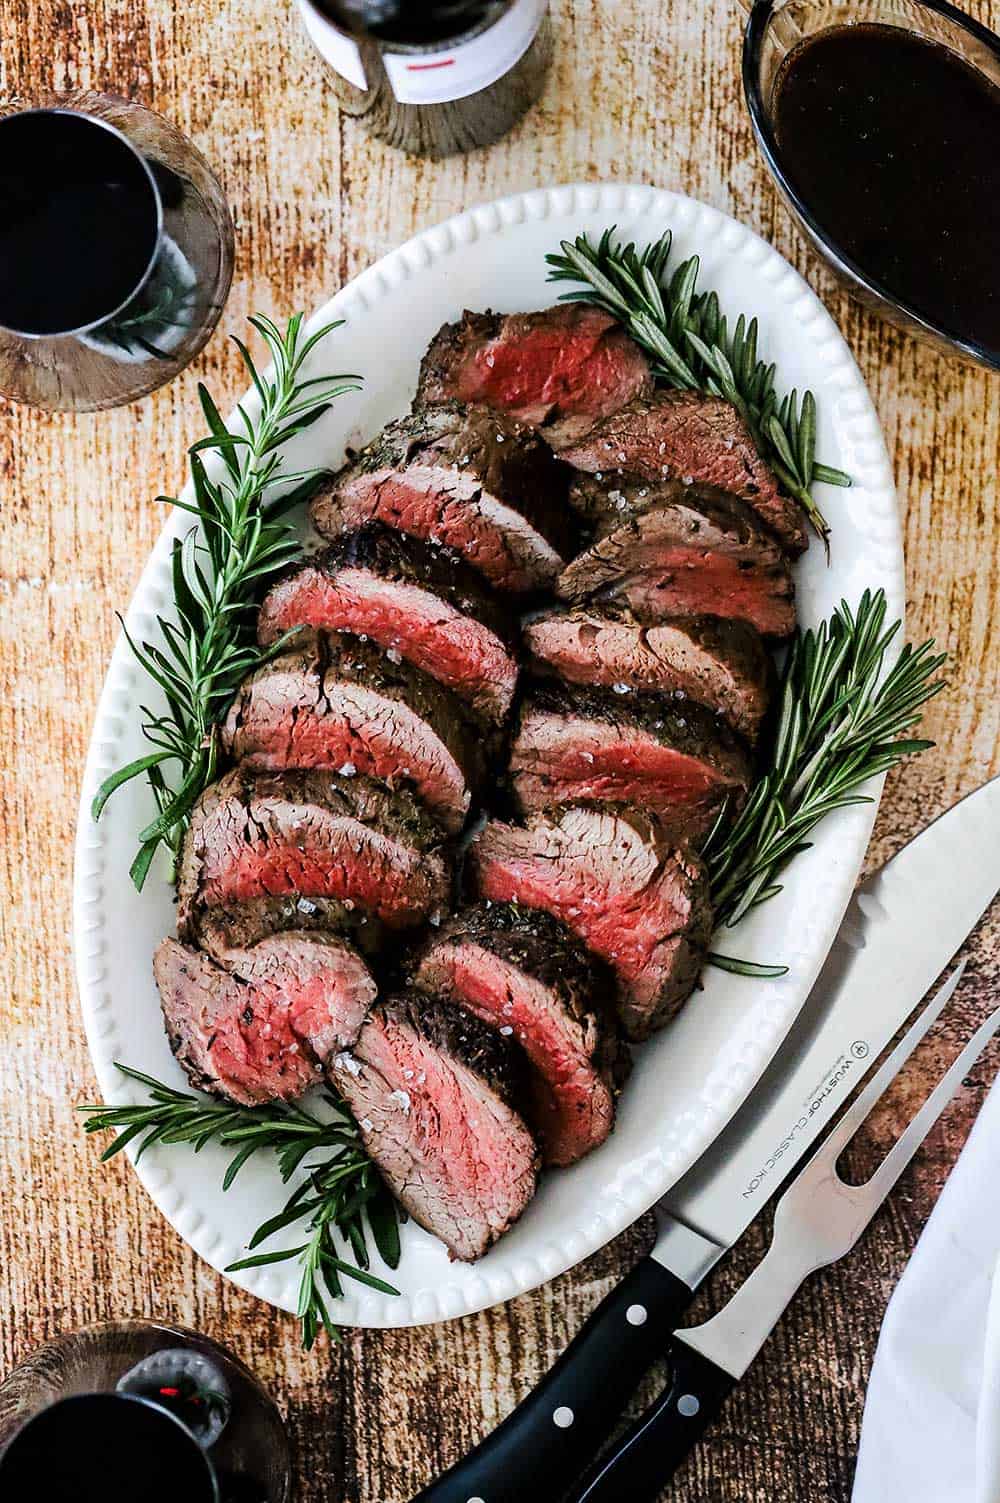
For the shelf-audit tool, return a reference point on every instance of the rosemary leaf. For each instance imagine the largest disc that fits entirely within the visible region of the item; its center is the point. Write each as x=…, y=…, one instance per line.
x=261, y=1260
x=745, y=967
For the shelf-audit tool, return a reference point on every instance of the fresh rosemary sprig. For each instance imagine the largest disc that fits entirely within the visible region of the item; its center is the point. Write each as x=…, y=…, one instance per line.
x=341, y=1195
x=241, y=539
x=840, y=714
x=693, y=348
x=331, y=1200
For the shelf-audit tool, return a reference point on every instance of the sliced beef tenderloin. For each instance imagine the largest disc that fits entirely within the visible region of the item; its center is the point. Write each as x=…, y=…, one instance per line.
x=673, y=550
x=335, y=702
x=634, y=899
x=437, y=1095
x=262, y=1027
x=678, y=434
x=721, y=664
x=255, y=836
x=523, y=972
x=469, y=478
x=578, y=744
x=560, y=369
x=410, y=597
x=236, y=926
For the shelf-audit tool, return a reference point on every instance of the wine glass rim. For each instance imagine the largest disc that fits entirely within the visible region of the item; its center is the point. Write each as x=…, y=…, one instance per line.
x=129, y=1398
x=96, y=323
x=760, y=114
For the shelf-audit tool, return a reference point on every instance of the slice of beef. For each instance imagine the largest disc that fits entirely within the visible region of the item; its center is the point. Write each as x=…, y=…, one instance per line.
x=236, y=926
x=721, y=664
x=437, y=1096
x=469, y=478
x=673, y=550
x=333, y=701
x=410, y=597
x=258, y=835
x=262, y=1027
x=634, y=899
x=681, y=434
x=560, y=369
x=578, y=744
x=522, y=972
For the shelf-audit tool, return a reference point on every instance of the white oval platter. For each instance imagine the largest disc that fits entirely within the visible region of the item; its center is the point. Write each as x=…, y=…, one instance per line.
x=690, y=1079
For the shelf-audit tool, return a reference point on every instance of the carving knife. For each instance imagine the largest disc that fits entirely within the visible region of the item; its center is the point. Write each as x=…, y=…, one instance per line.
x=901, y=929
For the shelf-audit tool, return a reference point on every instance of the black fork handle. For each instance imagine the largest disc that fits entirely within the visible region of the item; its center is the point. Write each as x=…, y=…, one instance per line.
x=646, y=1457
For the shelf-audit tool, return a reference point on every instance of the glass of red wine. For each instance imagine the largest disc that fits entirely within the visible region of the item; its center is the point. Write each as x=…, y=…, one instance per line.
x=116, y=251
x=137, y=1412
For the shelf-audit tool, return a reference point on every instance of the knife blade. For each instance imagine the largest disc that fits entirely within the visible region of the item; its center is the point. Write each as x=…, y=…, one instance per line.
x=900, y=930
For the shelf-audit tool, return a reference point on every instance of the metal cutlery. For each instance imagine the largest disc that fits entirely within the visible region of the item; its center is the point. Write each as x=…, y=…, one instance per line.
x=818, y=1220
x=900, y=929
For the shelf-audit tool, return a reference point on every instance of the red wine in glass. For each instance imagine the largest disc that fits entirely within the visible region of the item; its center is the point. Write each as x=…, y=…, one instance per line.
x=80, y=226
x=106, y=1448
x=139, y=1412
x=116, y=252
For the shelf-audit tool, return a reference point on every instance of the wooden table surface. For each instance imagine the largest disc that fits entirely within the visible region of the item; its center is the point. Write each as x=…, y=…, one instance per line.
x=644, y=90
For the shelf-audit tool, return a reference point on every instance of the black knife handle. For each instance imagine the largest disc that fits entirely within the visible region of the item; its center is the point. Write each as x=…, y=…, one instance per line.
x=640, y=1464
x=558, y=1429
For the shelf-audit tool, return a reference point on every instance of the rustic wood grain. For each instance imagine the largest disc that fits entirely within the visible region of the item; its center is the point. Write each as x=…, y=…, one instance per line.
x=646, y=91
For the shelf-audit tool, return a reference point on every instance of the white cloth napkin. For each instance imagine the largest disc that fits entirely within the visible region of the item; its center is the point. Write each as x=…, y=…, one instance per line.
x=931, y=1429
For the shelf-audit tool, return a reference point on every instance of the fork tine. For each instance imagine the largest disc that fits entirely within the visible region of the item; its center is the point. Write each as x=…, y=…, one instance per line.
x=877, y=1188
x=833, y=1146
